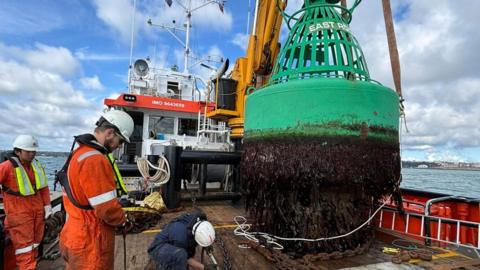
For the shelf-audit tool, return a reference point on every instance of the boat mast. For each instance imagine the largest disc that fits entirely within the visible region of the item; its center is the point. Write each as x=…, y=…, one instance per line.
x=187, y=36
x=187, y=6
x=132, y=37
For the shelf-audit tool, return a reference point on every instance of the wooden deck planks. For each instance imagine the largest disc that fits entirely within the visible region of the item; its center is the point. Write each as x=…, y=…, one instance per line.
x=221, y=214
x=137, y=256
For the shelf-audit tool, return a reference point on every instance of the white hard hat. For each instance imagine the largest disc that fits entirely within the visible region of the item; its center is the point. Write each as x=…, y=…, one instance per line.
x=204, y=233
x=121, y=120
x=26, y=142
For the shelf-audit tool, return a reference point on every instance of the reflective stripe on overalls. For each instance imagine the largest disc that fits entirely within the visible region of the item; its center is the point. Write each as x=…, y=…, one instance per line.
x=121, y=188
x=101, y=198
x=26, y=249
x=25, y=187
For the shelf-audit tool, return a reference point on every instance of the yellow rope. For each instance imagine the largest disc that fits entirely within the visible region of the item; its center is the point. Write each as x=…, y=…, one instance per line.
x=140, y=209
x=226, y=226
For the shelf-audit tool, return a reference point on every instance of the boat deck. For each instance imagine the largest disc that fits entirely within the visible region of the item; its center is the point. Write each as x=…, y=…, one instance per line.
x=222, y=214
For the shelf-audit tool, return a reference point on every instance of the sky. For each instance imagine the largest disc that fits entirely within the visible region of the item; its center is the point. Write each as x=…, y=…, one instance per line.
x=60, y=58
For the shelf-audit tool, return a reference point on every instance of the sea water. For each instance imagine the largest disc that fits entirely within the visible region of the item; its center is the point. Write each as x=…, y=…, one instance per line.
x=464, y=183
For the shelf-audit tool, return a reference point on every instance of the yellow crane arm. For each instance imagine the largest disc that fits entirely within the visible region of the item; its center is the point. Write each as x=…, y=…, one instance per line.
x=255, y=68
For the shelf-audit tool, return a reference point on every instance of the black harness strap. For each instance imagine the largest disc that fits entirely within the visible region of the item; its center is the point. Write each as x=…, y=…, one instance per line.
x=62, y=175
x=10, y=191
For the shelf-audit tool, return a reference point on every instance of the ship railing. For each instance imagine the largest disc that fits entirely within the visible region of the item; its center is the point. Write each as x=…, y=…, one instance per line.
x=214, y=136
x=444, y=227
x=215, y=133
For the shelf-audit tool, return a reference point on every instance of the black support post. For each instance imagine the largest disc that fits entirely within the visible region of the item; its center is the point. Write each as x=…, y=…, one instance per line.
x=171, y=192
x=203, y=178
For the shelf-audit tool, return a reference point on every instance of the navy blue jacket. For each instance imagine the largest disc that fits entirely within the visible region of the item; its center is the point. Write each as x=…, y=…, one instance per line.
x=178, y=233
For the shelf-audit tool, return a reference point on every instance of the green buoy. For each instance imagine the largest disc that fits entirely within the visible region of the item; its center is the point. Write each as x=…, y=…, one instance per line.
x=321, y=144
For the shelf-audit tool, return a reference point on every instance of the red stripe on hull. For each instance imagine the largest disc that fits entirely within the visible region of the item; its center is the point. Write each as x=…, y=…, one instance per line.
x=160, y=103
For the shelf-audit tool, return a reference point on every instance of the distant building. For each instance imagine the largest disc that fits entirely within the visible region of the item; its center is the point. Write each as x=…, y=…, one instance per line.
x=422, y=166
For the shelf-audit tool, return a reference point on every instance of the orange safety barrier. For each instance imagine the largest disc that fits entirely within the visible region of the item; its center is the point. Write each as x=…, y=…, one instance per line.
x=448, y=221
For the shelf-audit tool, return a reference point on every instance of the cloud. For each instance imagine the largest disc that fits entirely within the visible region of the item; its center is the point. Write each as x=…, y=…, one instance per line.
x=53, y=59
x=84, y=55
x=206, y=18
x=292, y=7
x=38, y=85
x=212, y=18
x=439, y=63
x=117, y=14
x=92, y=83
x=42, y=57
x=41, y=100
x=241, y=40
x=214, y=53
x=161, y=56
x=445, y=156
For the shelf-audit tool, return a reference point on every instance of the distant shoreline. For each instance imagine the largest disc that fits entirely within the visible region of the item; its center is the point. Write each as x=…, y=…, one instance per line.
x=45, y=153
x=448, y=169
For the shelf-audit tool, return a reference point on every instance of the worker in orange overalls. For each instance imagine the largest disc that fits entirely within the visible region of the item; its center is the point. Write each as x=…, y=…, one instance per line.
x=91, y=183
x=26, y=199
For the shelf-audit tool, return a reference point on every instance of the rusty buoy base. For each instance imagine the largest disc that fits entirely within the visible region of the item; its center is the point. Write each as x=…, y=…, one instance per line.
x=317, y=187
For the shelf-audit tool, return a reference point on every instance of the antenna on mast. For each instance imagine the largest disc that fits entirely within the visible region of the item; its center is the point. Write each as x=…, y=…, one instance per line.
x=132, y=37
x=188, y=24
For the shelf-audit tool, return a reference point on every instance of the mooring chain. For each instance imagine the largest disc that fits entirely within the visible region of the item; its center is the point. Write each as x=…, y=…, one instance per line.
x=227, y=263
x=323, y=256
x=284, y=262
x=193, y=195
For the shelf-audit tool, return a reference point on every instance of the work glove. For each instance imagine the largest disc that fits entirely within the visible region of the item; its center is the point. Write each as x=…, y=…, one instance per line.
x=129, y=222
x=210, y=267
x=48, y=210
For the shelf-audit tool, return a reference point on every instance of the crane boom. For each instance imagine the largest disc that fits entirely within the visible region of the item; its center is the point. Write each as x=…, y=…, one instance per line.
x=255, y=68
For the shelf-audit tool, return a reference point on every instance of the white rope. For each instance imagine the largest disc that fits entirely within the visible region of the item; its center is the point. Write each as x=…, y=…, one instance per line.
x=161, y=176
x=242, y=229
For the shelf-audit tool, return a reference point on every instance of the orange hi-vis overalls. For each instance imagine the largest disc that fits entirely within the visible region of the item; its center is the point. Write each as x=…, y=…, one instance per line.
x=25, y=214
x=87, y=239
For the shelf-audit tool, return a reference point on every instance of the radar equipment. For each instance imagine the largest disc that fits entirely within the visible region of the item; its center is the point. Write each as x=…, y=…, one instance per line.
x=141, y=67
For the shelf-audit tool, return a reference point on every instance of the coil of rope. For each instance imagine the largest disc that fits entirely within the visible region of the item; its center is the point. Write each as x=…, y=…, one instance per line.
x=161, y=176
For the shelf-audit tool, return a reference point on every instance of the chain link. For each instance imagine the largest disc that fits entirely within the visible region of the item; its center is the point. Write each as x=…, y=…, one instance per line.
x=322, y=256
x=282, y=261
x=227, y=261
x=193, y=196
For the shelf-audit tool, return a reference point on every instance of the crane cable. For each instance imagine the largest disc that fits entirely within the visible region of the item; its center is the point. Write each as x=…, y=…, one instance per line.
x=161, y=176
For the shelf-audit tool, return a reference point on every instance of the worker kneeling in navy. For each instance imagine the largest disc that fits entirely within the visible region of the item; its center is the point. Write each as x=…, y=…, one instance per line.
x=174, y=247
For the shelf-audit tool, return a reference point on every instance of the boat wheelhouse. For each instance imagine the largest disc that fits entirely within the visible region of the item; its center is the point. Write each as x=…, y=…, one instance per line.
x=169, y=109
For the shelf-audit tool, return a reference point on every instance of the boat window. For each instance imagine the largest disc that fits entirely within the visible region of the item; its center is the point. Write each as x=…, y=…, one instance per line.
x=187, y=127
x=173, y=89
x=138, y=126
x=160, y=125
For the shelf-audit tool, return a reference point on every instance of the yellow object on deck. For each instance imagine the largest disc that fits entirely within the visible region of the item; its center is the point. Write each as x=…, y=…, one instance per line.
x=155, y=201
x=139, y=209
x=390, y=251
